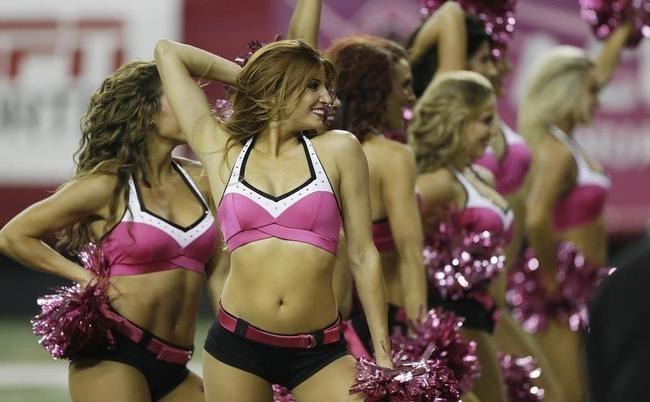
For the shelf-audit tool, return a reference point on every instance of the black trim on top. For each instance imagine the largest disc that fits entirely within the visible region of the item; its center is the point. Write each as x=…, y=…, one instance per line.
x=454, y=171
x=329, y=181
x=167, y=221
x=312, y=174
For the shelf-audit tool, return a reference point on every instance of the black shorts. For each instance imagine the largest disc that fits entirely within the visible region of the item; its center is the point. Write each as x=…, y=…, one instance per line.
x=162, y=377
x=476, y=315
x=288, y=367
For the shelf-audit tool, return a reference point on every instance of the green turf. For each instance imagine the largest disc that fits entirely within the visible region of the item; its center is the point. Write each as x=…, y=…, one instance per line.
x=19, y=345
x=34, y=395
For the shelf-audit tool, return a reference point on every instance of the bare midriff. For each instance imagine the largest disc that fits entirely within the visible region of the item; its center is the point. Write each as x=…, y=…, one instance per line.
x=164, y=303
x=281, y=286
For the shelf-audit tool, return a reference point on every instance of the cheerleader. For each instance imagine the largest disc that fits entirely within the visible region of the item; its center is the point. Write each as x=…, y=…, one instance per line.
x=452, y=125
x=433, y=49
x=568, y=187
x=149, y=213
x=283, y=199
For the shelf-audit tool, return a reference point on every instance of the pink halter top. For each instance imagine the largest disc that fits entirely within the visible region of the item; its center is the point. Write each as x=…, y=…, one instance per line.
x=585, y=201
x=509, y=171
x=307, y=214
x=480, y=214
x=143, y=242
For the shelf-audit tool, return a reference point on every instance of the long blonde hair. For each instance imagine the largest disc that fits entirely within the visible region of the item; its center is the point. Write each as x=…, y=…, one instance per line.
x=450, y=102
x=554, y=90
x=114, y=138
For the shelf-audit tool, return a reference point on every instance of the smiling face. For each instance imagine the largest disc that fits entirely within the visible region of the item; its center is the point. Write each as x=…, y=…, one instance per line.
x=401, y=96
x=478, y=131
x=313, y=105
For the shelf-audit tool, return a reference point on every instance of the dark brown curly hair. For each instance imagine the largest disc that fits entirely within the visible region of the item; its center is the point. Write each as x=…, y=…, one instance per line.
x=366, y=68
x=114, y=138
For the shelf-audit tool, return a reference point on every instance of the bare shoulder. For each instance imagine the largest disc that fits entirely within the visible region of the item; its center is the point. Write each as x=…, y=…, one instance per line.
x=396, y=153
x=336, y=139
x=102, y=185
x=552, y=153
x=90, y=193
x=337, y=144
x=437, y=186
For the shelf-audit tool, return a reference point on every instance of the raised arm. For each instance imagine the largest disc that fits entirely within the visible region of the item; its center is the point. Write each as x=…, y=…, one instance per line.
x=550, y=173
x=363, y=256
x=21, y=239
x=305, y=22
x=610, y=55
x=179, y=66
x=405, y=224
x=446, y=29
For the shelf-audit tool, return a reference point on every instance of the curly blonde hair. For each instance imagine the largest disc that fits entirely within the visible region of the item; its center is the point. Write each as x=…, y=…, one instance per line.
x=114, y=138
x=450, y=102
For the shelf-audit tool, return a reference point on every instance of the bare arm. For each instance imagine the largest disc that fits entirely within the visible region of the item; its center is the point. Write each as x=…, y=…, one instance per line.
x=437, y=193
x=406, y=226
x=178, y=64
x=363, y=256
x=342, y=281
x=446, y=28
x=21, y=241
x=305, y=22
x=610, y=54
x=552, y=166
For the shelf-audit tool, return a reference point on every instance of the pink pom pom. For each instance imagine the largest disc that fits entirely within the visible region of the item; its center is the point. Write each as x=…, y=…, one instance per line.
x=518, y=374
x=438, y=333
x=459, y=261
x=421, y=381
x=72, y=318
x=577, y=279
x=281, y=394
x=605, y=16
x=498, y=16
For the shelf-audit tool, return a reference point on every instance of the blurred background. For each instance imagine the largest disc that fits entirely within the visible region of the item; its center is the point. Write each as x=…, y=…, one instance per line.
x=54, y=54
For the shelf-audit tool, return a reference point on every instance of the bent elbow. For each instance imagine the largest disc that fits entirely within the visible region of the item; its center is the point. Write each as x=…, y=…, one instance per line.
x=162, y=47
x=7, y=240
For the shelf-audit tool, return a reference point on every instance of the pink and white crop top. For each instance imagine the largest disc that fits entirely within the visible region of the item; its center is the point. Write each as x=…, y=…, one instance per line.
x=509, y=171
x=307, y=214
x=142, y=242
x=585, y=201
x=480, y=214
